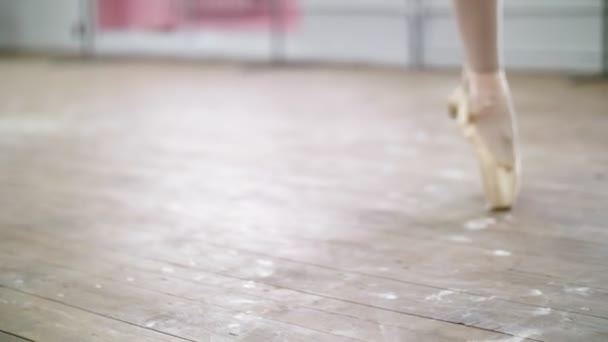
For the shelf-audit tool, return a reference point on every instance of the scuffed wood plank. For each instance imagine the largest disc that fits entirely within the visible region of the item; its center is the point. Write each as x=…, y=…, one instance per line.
x=130, y=284
x=449, y=305
x=8, y=337
x=339, y=191
x=39, y=319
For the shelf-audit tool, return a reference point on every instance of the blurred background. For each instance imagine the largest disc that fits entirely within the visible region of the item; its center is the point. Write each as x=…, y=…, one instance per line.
x=540, y=35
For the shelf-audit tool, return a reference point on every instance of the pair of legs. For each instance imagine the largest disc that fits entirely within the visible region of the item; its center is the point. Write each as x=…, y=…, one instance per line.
x=482, y=105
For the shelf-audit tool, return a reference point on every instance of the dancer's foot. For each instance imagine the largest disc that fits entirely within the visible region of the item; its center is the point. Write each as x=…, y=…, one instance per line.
x=484, y=110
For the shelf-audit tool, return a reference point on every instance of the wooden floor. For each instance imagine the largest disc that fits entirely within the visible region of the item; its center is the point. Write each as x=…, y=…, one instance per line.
x=158, y=201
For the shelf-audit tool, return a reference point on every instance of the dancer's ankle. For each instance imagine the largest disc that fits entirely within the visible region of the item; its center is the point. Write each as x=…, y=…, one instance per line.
x=486, y=89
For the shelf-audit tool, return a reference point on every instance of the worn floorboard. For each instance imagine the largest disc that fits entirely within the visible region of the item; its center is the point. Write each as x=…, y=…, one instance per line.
x=197, y=202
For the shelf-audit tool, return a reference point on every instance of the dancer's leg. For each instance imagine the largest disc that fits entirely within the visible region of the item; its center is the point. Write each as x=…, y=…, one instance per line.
x=485, y=109
x=479, y=23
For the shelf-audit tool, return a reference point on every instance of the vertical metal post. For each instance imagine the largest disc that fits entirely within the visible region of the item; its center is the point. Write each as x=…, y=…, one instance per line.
x=415, y=16
x=277, y=31
x=605, y=38
x=87, y=26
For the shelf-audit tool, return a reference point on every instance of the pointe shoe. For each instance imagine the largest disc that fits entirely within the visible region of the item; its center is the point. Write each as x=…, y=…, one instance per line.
x=453, y=101
x=489, y=124
x=458, y=93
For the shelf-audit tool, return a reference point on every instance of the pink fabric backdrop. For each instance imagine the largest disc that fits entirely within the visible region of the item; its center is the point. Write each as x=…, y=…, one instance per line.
x=163, y=15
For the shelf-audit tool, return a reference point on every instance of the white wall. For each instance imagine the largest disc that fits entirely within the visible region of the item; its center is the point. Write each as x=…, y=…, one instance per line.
x=540, y=34
x=39, y=24
x=373, y=31
x=210, y=44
